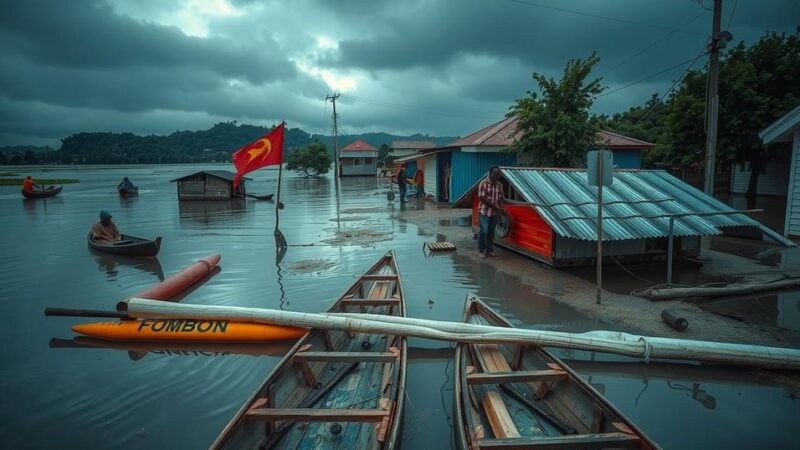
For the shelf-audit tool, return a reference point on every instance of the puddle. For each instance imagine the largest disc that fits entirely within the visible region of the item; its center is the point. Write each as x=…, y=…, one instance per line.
x=465, y=221
x=358, y=236
x=778, y=310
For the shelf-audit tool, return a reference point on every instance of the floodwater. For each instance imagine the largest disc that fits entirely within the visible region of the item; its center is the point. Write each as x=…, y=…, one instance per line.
x=59, y=391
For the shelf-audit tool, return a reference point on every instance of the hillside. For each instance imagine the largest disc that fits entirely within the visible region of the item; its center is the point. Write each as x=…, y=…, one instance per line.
x=213, y=145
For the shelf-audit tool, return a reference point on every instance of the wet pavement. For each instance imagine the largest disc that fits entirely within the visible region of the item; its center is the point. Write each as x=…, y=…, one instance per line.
x=59, y=391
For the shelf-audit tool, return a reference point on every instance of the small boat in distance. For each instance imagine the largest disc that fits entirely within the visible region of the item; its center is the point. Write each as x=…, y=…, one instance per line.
x=520, y=396
x=127, y=192
x=51, y=191
x=127, y=246
x=334, y=389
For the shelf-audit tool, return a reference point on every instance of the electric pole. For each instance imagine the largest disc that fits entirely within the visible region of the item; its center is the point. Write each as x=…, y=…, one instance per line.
x=712, y=100
x=333, y=98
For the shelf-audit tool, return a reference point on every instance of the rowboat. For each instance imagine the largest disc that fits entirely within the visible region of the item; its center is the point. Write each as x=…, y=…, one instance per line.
x=334, y=389
x=128, y=246
x=520, y=396
x=51, y=191
x=127, y=192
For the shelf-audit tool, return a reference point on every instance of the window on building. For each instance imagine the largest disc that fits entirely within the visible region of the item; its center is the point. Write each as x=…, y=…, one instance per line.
x=356, y=162
x=367, y=161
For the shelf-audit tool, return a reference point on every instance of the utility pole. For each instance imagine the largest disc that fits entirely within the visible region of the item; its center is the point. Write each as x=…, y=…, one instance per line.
x=333, y=98
x=712, y=101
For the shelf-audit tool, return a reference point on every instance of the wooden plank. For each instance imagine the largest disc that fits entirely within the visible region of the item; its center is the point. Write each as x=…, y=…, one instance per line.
x=606, y=440
x=308, y=374
x=499, y=418
x=370, y=302
x=317, y=415
x=380, y=277
x=380, y=357
x=516, y=377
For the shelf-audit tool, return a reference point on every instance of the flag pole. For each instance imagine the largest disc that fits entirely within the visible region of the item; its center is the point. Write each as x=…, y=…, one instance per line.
x=278, y=234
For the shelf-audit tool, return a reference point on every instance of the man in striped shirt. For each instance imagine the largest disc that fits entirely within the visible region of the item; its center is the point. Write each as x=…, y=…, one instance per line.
x=490, y=204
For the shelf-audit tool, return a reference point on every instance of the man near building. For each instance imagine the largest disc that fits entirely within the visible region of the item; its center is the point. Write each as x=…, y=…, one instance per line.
x=401, y=182
x=490, y=205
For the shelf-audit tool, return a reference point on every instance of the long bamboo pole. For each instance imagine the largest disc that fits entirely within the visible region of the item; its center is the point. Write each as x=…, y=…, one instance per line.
x=603, y=341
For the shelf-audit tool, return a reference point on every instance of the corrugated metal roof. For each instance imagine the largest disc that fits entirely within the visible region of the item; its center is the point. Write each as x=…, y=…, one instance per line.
x=359, y=146
x=224, y=174
x=412, y=144
x=631, y=205
x=614, y=140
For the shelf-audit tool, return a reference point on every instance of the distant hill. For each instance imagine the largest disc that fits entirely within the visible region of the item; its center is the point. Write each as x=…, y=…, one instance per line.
x=213, y=145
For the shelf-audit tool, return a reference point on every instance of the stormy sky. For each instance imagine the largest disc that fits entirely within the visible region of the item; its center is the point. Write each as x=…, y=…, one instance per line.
x=412, y=66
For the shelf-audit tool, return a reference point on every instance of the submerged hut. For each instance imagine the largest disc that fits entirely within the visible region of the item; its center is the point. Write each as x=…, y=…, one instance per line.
x=209, y=185
x=358, y=159
x=552, y=215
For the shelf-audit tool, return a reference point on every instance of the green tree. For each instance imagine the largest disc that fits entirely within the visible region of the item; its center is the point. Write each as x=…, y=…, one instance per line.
x=756, y=86
x=556, y=129
x=311, y=161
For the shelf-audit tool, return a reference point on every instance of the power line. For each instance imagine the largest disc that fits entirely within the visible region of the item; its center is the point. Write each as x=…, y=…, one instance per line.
x=653, y=44
x=597, y=16
x=648, y=77
x=733, y=11
x=666, y=94
x=408, y=108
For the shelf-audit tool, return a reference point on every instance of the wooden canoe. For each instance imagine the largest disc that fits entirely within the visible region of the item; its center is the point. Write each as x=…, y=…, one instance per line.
x=128, y=246
x=334, y=389
x=520, y=396
x=123, y=192
x=42, y=193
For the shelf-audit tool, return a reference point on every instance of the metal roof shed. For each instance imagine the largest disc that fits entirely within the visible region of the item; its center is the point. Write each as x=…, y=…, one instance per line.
x=209, y=185
x=553, y=215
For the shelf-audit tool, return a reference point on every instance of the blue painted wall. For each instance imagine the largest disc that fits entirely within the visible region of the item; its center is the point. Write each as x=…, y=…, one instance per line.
x=468, y=168
x=627, y=159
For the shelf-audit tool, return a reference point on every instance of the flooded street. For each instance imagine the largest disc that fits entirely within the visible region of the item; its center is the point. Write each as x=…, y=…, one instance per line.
x=60, y=392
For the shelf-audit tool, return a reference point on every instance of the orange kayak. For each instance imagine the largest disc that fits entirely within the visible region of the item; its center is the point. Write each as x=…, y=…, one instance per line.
x=188, y=330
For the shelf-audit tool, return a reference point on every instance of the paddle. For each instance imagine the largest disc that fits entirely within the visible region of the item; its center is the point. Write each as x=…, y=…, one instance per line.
x=71, y=312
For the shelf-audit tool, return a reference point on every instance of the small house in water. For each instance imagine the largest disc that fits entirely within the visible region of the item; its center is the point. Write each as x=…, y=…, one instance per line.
x=358, y=159
x=552, y=215
x=210, y=185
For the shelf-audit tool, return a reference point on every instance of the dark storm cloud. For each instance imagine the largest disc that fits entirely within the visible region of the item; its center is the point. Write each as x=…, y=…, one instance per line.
x=438, y=67
x=90, y=35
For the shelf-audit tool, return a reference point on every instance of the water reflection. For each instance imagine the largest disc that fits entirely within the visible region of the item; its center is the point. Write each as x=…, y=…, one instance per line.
x=110, y=264
x=138, y=350
x=209, y=212
x=128, y=201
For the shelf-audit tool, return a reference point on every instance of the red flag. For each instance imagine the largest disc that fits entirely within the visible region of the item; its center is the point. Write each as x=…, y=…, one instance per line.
x=266, y=151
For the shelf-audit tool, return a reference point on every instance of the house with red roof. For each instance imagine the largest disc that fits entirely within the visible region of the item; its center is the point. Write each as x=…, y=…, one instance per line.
x=358, y=159
x=468, y=159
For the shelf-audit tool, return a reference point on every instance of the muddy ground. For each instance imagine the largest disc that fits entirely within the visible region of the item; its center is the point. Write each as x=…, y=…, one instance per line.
x=626, y=311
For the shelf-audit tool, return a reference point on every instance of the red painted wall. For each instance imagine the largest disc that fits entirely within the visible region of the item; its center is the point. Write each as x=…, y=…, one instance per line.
x=528, y=230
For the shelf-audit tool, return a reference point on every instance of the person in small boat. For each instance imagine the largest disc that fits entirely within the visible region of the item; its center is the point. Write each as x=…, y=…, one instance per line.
x=125, y=184
x=28, y=185
x=105, y=231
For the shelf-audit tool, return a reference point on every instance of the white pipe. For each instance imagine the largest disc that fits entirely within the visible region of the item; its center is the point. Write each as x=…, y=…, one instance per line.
x=603, y=341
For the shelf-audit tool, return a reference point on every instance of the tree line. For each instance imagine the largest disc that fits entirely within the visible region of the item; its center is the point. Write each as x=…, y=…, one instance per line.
x=203, y=146
x=757, y=85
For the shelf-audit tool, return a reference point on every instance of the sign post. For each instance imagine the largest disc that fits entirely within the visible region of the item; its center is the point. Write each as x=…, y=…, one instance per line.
x=600, y=165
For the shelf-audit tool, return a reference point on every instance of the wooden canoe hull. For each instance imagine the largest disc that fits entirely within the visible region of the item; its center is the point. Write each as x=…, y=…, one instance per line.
x=181, y=330
x=519, y=396
x=334, y=389
x=137, y=246
x=44, y=193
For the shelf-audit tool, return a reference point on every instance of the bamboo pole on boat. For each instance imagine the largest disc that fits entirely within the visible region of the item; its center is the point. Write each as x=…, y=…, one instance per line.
x=603, y=341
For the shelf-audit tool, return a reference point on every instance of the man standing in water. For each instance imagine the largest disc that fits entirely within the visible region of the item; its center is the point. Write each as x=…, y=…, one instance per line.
x=401, y=182
x=490, y=204
x=105, y=231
